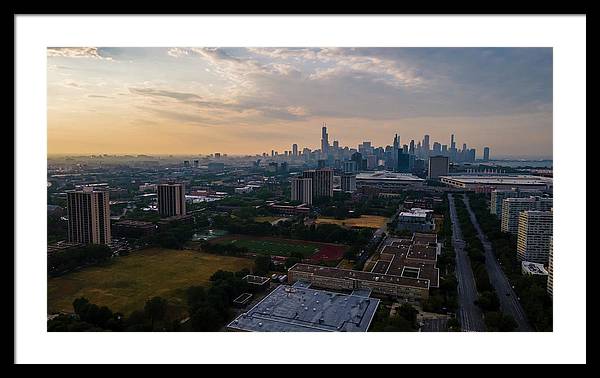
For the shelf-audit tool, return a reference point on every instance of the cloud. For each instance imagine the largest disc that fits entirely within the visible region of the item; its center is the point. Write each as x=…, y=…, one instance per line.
x=77, y=52
x=98, y=96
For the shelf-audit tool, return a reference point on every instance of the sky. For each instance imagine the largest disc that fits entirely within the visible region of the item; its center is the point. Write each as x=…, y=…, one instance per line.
x=186, y=100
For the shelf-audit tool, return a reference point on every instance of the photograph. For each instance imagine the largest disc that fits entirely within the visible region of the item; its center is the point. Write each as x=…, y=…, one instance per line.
x=300, y=189
x=307, y=189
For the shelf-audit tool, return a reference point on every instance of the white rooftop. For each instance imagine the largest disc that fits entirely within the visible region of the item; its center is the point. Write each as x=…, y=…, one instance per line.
x=386, y=175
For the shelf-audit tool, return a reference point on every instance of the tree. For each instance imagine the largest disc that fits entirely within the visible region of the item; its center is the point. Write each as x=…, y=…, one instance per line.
x=196, y=295
x=262, y=265
x=206, y=319
x=453, y=324
x=155, y=309
x=291, y=261
x=408, y=312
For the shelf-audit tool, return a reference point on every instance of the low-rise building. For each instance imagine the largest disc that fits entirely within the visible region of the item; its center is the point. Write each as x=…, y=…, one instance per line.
x=404, y=269
x=490, y=182
x=388, y=181
x=133, y=228
x=289, y=209
x=530, y=268
x=416, y=220
x=62, y=245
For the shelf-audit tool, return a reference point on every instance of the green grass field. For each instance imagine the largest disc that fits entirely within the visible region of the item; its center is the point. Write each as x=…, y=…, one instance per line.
x=126, y=283
x=272, y=247
x=367, y=221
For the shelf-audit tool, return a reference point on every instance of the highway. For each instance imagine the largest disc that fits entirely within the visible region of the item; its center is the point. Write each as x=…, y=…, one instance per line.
x=469, y=315
x=509, y=302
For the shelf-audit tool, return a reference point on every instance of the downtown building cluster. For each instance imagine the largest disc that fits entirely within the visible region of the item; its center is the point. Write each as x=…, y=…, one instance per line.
x=396, y=157
x=350, y=166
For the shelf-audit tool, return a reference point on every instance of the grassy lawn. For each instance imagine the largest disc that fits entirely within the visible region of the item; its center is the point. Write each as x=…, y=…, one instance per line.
x=368, y=221
x=274, y=247
x=126, y=283
x=346, y=264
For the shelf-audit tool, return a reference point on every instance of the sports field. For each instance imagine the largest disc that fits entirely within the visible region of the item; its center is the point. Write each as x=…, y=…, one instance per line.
x=272, y=247
x=126, y=283
x=284, y=247
x=366, y=221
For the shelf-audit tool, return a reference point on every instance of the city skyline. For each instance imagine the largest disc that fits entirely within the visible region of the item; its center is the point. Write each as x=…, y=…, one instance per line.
x=244, y=101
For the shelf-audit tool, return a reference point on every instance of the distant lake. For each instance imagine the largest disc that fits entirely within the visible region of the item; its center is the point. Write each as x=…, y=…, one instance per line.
x=521, y=163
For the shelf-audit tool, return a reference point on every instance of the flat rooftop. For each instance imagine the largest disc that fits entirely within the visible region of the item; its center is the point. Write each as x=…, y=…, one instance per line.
x=534, y=268
x=504, y=180
x=134, y=223
x=387, y=176
x=297, y=309
x=349, y=274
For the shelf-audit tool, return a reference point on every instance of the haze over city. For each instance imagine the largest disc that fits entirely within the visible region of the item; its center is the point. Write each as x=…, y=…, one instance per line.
x=254, y=100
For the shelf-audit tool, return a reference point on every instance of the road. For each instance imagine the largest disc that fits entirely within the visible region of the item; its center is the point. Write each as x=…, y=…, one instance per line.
x=508, y=303
x=469, y=315
x=435, y=325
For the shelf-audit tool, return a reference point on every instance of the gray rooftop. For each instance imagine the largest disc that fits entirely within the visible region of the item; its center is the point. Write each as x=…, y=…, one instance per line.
x=297, y=309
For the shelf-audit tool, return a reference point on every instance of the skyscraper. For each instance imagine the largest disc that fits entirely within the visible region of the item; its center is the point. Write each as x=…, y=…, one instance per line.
x=324, y=140
x=452, y=151
x=486, y=154
x=302, y=190
x=294, y=150
x=425, y=146
x=411, y=148
x=396, y=142
x=89, y=216
x=171, y=199
x=403, y=162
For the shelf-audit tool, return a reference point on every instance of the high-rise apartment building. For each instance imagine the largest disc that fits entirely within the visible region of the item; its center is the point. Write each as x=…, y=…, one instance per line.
x=438, y=166
x=171, y=199
x=550, y=283
x=89, y=216
x=302, y=190
x=322, y=182
x=349, y=166
x=534, y=235
x=511, y=207
x=348, y=183
x=499, y=195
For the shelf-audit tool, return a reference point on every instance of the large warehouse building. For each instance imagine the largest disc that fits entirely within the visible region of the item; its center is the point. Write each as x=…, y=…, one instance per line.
x=489, y=182
x=387, y=180
x=301, y=309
